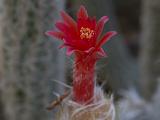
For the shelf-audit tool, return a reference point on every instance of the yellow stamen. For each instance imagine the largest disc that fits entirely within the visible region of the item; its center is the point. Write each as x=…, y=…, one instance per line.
x=86, y=33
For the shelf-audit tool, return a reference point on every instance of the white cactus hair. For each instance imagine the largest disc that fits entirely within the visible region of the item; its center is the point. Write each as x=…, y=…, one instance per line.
x=134, y=107
x=101, y=109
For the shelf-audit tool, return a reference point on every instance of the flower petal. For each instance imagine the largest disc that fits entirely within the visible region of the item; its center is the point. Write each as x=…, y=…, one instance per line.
x=58, y=35
x=62, y=27
x=105, y=38
x=68, y=31
x=68, y=19
x=102, y=53
x=62, y=46
x=69, y=51
x=89, y=50
x=82, y=13
x=100, y=25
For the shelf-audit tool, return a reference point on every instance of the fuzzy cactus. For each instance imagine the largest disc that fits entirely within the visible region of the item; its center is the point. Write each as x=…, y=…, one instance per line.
x=27, y=65
x=83, y=39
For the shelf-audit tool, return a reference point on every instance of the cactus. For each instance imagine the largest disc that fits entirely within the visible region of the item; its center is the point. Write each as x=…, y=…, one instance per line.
x=83, y=39
x=30, y=61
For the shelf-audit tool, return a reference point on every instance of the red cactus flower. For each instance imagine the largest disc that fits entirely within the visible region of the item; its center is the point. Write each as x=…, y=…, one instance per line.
x=82, y=37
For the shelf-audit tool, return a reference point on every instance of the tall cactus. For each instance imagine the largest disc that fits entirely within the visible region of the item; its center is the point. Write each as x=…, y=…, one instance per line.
x=150, y=67
x=1, y=104
x=30, y=61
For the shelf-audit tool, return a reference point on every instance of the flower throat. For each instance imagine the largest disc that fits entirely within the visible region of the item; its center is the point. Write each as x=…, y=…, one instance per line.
x=86, y=33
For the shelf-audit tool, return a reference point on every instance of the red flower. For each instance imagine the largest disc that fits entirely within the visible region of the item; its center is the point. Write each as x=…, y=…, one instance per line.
x=83, y=35
x=84, y=38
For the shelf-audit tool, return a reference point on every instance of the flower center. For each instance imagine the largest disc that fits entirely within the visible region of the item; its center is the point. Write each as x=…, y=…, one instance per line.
x=86, y=33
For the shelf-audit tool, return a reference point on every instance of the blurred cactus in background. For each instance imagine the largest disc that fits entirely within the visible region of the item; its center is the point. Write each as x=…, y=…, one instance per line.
x=134, y=107
x=29, y=62
x=150, y=52
x=146, y=106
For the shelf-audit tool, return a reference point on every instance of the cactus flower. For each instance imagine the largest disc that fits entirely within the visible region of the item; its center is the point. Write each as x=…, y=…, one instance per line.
x=83, y=38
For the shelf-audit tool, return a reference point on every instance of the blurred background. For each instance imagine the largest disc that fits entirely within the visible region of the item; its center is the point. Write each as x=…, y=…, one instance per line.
x=32, y=68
